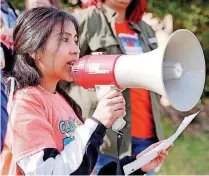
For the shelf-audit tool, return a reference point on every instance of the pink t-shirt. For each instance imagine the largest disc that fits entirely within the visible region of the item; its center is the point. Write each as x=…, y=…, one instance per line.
x=38, y=120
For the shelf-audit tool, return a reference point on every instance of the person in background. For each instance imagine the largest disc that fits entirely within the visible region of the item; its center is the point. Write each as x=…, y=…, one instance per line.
x=116, y=27
x=8, y=18
x=7, y=21
x=46, y=134
x=4, y=114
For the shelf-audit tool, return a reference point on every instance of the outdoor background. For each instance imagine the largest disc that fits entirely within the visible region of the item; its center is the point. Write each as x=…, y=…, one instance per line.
x=190, y=154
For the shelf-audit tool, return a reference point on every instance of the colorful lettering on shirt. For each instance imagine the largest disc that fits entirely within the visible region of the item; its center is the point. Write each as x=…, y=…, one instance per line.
x=131, y=43
x=68, y=127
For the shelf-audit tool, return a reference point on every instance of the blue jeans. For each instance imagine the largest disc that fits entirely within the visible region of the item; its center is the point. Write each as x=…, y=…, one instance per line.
x=102, y=161
x=138, y=145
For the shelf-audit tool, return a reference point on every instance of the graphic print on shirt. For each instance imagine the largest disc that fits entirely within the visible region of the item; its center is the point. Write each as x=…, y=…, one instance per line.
x=68, y=128
x=131, y=43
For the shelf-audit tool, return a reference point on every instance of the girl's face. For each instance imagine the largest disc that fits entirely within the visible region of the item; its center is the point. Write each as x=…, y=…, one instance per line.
x=118, y=4
x=37, y=3
x=55, y=62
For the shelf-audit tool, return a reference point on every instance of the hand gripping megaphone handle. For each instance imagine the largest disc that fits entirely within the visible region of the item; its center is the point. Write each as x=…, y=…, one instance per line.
x=102, y=90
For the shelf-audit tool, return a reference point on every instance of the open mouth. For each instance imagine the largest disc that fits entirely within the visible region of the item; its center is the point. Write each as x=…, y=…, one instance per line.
x=71, y=63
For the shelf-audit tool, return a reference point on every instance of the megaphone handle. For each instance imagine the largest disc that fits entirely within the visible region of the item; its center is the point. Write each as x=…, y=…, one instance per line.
x=102, y=90
x=118, y=124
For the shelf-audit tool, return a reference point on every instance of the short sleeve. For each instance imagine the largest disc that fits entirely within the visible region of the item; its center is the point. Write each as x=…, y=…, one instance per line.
x=29, y=128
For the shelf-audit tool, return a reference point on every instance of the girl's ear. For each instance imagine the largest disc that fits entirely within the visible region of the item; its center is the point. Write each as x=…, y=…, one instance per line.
x=34, y=55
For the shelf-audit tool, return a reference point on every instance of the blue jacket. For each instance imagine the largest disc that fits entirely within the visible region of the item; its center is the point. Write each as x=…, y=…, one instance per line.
x=4, y=114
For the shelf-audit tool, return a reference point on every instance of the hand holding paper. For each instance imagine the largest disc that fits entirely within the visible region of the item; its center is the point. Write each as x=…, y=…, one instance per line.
x=157, y=161
x=147, y=156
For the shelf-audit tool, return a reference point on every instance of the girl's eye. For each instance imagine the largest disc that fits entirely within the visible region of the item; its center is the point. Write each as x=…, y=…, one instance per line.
x=76, y=42
x=65, y=40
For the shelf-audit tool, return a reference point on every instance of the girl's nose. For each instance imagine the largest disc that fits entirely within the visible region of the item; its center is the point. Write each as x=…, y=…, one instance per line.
x=74, y=49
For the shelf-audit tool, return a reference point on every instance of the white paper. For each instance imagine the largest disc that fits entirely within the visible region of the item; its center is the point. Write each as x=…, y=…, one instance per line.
x=133, y=166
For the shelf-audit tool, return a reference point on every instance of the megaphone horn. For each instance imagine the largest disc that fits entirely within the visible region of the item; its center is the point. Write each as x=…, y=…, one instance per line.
x=175, y=71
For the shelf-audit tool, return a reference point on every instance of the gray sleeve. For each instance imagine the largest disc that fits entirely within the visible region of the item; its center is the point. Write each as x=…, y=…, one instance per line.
x=82, y=16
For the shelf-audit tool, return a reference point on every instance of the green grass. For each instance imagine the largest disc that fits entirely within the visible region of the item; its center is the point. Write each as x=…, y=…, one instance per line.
x=189, y=156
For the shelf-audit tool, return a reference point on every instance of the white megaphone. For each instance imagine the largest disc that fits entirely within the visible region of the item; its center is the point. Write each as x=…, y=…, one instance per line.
x=175, y=71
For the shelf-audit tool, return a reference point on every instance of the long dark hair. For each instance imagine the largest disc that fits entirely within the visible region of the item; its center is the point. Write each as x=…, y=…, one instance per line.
x=31, y=32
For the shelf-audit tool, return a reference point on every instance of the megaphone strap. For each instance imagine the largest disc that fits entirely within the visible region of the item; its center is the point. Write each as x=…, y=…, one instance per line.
x=119, y=141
